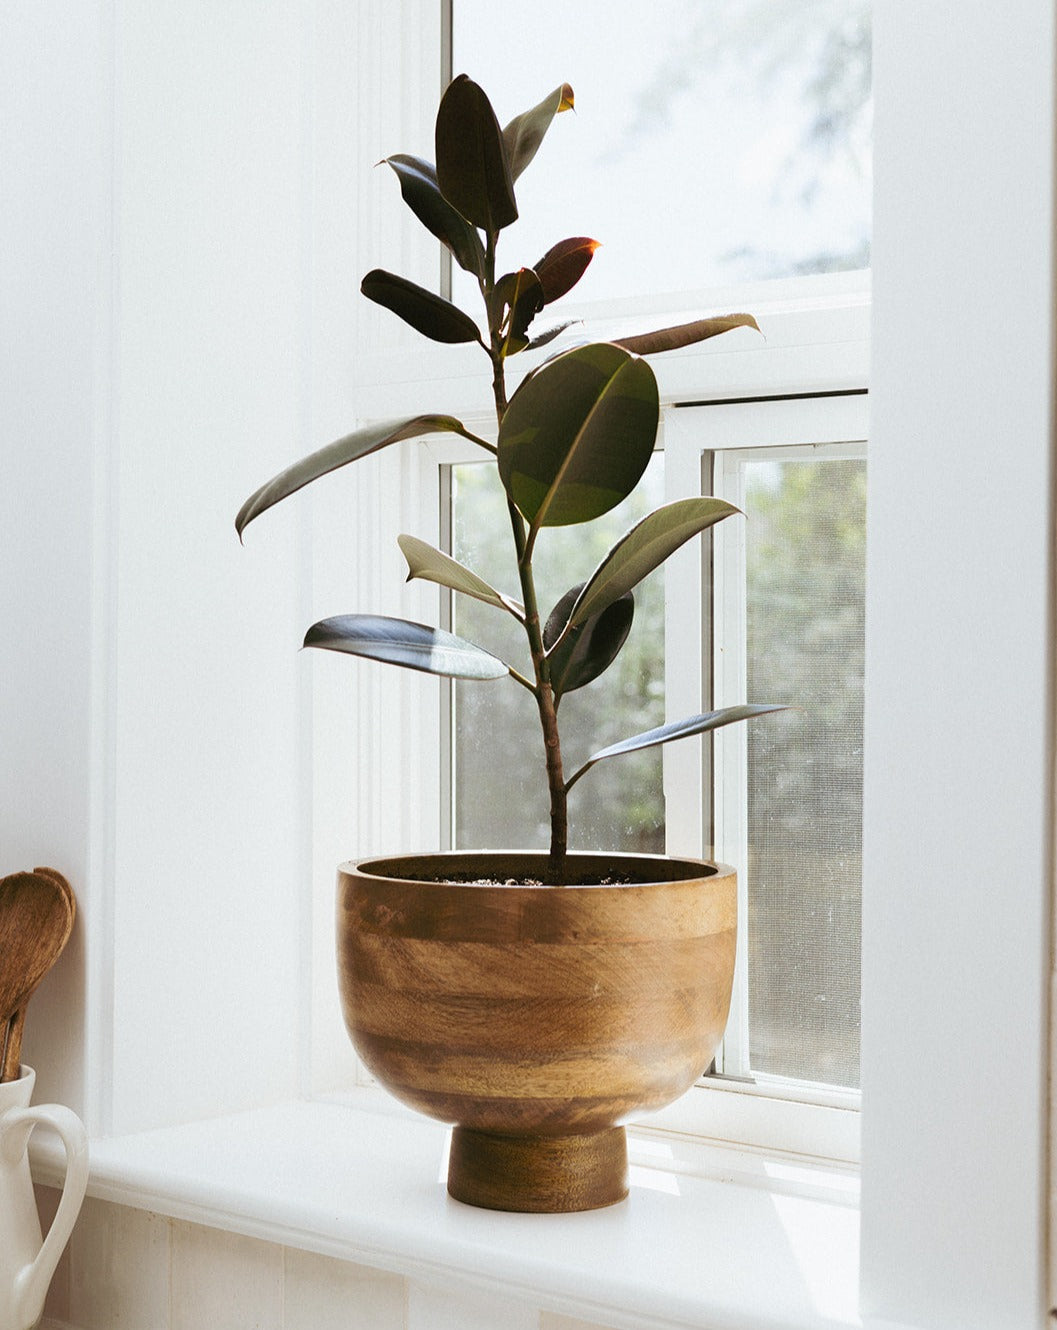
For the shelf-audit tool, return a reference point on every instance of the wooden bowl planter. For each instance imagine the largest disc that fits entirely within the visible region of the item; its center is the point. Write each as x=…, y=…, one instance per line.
x=536, y=1019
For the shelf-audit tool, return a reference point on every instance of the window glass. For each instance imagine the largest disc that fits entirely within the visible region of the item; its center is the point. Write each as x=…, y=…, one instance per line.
x=805, y=579
x=714, y=141
x=499, y=777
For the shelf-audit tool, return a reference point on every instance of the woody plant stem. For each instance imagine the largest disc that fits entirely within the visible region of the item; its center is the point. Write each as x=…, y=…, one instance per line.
x=524, y=542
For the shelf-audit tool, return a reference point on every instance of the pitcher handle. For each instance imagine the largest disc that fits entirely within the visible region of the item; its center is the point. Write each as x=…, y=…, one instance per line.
x=31, y=1282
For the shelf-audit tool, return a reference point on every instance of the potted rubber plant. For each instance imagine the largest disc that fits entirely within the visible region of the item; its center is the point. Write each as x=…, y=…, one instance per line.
x=534, y=1000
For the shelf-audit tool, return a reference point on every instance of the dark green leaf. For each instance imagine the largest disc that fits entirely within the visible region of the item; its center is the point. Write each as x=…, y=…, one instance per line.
x=685, y=334
x=433, y=565
x=527, y=304
x=421, y=192
x=541, y=339
x=563, y=265
x=427, y=313
x=399, y=642
x=472, y=165
x=342, y=451
x=521, y=293
x=587, y=651
x=678, y=729
x=578, y=434
x=525, y=132
x=644, y=548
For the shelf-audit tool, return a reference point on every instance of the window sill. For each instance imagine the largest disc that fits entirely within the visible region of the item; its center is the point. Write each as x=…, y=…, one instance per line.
x=709, y=1237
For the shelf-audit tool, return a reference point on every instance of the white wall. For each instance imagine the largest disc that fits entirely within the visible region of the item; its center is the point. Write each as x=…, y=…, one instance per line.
x=208, y=350
x=54, y=275
x=193, y=199
x=959, y=665
x=155, y=315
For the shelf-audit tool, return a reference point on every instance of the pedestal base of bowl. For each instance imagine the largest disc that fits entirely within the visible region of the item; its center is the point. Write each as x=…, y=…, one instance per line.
x=538, y=1174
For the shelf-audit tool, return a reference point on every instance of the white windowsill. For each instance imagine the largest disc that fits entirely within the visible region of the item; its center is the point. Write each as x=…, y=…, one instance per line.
x=710, y=1237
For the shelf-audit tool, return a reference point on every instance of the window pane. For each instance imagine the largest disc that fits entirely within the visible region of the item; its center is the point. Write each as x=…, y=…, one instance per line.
x=805, y=562
x=746, y=124
x=500, y=784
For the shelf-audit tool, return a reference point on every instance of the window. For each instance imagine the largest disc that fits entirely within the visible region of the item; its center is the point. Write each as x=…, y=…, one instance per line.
x=814, y=309
x=786, y=451
x=797, y=469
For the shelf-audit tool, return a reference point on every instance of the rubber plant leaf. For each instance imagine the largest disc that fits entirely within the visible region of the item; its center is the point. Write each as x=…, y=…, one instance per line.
x=563, y=265
x=679, y=729
x=401, y=642
x=525, y=132
x=350, y=448
x=578, y=434
x=522, y=293
x=644, y=548
x=549, y=334
x=587, y=651
x=433, y=565
x=473, y=169
x=425, y=311
x=421, y=193
x=685, y=334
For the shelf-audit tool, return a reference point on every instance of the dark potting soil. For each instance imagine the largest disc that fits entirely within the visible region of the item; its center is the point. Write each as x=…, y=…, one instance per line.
x=585, y=880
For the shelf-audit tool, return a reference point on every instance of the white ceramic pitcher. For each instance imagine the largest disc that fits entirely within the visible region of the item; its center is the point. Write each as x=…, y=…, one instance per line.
x=26, y=1263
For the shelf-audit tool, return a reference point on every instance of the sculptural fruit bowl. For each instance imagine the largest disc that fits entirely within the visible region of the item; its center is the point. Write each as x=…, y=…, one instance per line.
x=538, y=1020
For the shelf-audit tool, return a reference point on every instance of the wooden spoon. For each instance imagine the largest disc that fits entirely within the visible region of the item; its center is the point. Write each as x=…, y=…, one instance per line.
x=36, y=919
x=11, y=1051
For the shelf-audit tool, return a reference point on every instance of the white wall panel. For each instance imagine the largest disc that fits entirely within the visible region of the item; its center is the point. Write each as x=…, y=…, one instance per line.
x=210, y=133
x=54, y=288
x=181, y=268
x=430, y=1308
x=959, y=667
x=224, y=1280
x=118, y=1269
x=320, y=1293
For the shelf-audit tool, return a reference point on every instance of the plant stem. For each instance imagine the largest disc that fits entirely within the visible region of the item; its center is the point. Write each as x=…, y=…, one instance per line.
x=542, y=690
x=548, y=712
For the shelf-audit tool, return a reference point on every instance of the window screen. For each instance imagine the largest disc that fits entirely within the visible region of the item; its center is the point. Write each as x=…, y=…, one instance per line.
x=804, y=637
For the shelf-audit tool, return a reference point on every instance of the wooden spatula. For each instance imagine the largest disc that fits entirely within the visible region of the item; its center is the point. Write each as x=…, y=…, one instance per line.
x=36, y=919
